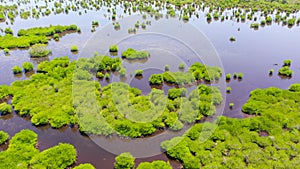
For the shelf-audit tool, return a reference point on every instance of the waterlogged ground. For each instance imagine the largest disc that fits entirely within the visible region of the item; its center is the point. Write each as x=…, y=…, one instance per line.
x=253, y=53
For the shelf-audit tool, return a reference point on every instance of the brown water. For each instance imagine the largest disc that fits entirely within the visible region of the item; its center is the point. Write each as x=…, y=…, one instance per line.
x=253, y=53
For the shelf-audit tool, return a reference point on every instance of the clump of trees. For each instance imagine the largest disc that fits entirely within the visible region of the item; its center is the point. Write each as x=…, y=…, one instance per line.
x=239, y=143
x=27, y=66
x=3, y=137
x=132, y=54
x=39, y=50
x=5, y=108
x=124, y=161
x=32, y=36
x=127, y=161
x=22, y=153
x=113, y=48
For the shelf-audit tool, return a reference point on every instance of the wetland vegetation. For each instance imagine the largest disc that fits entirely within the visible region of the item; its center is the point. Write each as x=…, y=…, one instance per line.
x=269, y=138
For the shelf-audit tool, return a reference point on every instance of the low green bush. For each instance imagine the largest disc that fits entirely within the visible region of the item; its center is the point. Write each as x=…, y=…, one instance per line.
x=113, y=48
x=287, y=62
x=124, y=161
x=3, y=137
x=285, y=71
x=5, y=108
x=27, y=66
x=16, y=69
x=6, y=50
x=232, y=39
x=139, y=72
x=132, y=54
x=100, y=75
x=39, y=50
x=74, y=48
x=156, y=79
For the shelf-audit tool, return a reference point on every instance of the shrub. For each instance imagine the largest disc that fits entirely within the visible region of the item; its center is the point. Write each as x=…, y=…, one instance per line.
x=232, y=38
x=107, y=76
x=8, y=31
x=235, y=75
x=167, y=68
x=117, y=25
x=17, y=69
x=74, y=48
x=285, y=71
x=39, y=50
x=84, y=166
x=27, y=66
x=122, y=72
x=185, y=17
x=231, y=105
x=95, y=23
x=132, y=54
x=113, y=48
x=181, y=66
x=254, y=25
x=60, y=156
x=56, y=37
x=156, y=79
x=5, y=109
x=139, y=72
x=271, y=71
x=295, y=87
x=287, y=62
x=291, y=22
x=6, y=51
x=228, y=89
x=100, y=75
x=3, y=137
x=176, y=93
x=124, y=161
x=240, y=76
x=228, y=76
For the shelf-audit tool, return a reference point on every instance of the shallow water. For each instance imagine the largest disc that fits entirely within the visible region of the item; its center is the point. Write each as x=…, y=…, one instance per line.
x=254, y=52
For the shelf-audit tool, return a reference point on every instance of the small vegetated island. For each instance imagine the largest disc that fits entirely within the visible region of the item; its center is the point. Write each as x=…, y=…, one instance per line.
x=132, y=54
x=32, y=36
x=117, y=107
x=196, y=72
x=22, y=152
x=268, y=140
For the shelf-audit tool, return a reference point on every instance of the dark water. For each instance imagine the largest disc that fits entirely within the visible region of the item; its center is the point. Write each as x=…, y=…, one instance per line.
x=253, y=53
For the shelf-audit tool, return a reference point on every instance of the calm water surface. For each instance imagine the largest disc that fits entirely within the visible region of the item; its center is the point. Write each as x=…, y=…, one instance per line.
x=253, y=53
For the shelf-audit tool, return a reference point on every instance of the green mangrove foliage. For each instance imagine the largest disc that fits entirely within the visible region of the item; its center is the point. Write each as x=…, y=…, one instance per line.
x=85, y=166
x=27, y=66
x=285, y=71
x=39, y=50
x=124, y=161
x=60, y=156
x=22, y=153
x=117, y=107
x=269, y=140
x=5, y=108
x=4, y=91
x=127, y=161
x=16, y=69
x=158, y=164
x=32, y=36
x=197, y=71
x=113, y=48
x=132, y=54
x=3, y=137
